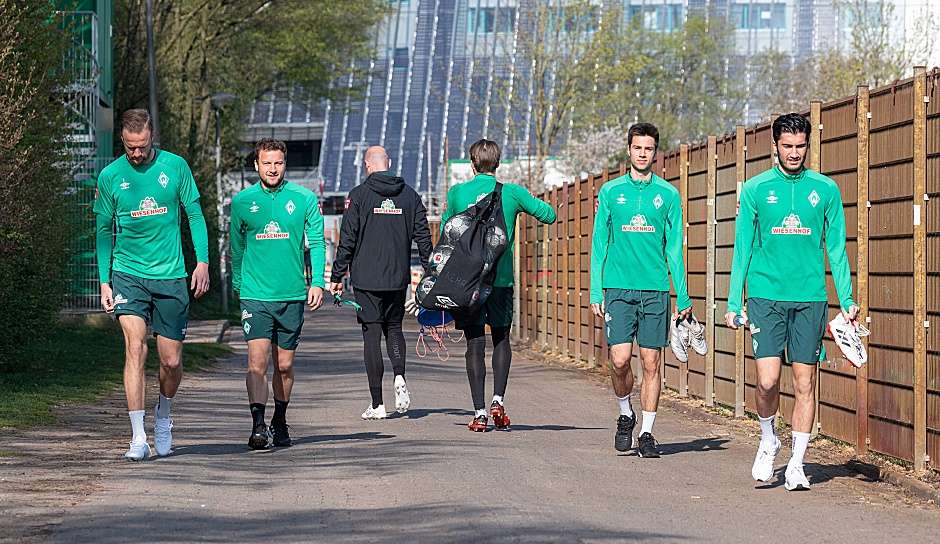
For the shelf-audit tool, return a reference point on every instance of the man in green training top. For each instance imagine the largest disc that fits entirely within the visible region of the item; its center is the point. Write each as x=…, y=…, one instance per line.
x=269, y=222
x=787, y=215
x=141, y=267
x=638, y=232
x=497, y=310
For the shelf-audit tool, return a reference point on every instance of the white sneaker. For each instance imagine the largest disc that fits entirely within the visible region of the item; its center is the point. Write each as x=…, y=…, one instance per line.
x=375, y=413
x=678, y=341
x=138, y=451
x=402, y=397
x=763, y=468
x=796, y=479
x=162, y=435
x=695, y=333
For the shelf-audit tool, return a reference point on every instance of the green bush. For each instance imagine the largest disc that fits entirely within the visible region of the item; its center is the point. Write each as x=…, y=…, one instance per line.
x=34, y=174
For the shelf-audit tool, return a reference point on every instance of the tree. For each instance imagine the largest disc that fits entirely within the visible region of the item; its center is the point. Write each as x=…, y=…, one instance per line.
x=34, y=217
x=241, y=47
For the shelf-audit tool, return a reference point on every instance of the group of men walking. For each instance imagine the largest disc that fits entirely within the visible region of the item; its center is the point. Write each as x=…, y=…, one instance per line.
x=788, y=216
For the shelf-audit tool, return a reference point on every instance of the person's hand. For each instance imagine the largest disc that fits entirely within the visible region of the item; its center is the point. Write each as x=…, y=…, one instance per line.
x=851, y=314
x=729, y=320
x=200, y=283
x=107, y=298
x=336, y=287
x=598, y=309
x=314, y=298
x=682, y=314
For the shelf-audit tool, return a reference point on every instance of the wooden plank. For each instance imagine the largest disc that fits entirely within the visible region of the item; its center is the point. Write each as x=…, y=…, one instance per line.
x=920, y=269
x=815, y=145
x=553, y=247
x=710, y=180
x=579, y=301
x=861, y=375
x=684, y=195
x=596, y=341
x=516, y=281
x=740, y=148
x=565, y=283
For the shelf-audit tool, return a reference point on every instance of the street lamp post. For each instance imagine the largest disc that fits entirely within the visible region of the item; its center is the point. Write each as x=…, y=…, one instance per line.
x=219, y=100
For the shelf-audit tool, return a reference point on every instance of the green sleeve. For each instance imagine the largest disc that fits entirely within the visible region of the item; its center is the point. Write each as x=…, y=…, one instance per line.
x=743, y=246
x=188, y=192
x=675, y=233
x=236, y=239
x=535, y=207
x=197, y=228
x=315, y=242
x=599, y=241
x=104, y=229
x=835, y=248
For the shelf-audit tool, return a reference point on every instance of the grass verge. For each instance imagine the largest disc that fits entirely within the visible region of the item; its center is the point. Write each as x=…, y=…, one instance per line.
x=74, y=364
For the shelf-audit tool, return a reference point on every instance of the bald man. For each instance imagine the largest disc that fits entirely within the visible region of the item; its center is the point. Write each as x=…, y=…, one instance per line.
x=383, y=217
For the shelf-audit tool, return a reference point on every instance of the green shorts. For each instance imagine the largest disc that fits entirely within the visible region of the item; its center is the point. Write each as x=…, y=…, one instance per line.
x=797, y=326
x=496, y=311
x=631, y=314
x=279, y=322
x=163, y=304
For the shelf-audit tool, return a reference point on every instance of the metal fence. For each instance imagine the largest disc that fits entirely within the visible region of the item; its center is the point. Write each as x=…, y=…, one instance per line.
x=883, y=150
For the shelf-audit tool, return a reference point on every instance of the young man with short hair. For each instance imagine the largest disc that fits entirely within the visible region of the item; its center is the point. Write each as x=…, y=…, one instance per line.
x=788, y=215
x=497, y=310
x=141, y=267
x=383, y=217
x=636, y=245
x=270, y=222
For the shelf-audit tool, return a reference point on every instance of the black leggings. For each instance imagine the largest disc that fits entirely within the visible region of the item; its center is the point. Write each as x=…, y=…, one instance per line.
x=476, y=369
x=372, y=351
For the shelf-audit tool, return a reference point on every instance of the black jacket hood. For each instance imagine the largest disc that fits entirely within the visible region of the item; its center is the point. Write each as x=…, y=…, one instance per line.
x=385, y=184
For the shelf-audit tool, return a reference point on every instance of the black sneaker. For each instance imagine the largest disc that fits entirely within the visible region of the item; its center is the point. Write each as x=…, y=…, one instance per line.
x=646, y=446
x=281, y=433
x=623, y=440
x=260, y=438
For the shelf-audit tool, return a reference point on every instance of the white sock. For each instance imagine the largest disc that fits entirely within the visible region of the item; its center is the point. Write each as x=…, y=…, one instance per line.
x=767, y=434
x=163, y=406
x=648, y=419
x=625, y=408
x=800, y=441
x=480, y=412
x=498, y=398
x=137, y=426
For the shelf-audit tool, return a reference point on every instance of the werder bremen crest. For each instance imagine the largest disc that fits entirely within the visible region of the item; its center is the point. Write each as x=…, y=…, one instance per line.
x=272, y=231
x=163, y=179
x=638, y=224
x=388, y=208
x=813, y=198
x=148, y=206
x=658, y=201
x=290, y=207
x=792, y=225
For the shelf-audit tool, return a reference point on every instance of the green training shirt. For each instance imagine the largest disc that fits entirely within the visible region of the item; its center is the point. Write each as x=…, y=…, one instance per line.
x=515, y=200
x=267, y=236
x=783, y=224
x=637, y=234
x=142, y=204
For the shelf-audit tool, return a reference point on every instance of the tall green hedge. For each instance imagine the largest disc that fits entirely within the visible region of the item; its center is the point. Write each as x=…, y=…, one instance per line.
x=33, y=172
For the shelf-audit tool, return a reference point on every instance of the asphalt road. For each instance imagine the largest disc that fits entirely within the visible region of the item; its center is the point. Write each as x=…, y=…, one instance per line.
x=425, y=478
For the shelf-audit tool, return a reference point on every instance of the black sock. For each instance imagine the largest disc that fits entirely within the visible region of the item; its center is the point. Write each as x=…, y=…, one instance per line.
x=257, y=413
x=376, y=393
x=280, y=412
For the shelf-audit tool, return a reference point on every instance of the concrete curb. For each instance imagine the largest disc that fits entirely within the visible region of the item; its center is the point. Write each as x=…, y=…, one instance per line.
x=914, y=486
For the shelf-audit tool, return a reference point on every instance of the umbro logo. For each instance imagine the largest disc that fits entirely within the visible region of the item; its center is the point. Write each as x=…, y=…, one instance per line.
x=125, y=185
x=120, y=299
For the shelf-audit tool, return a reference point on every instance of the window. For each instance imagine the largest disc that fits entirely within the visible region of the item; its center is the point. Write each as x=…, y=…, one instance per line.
x=488, y=20
x=303, y=153
x=758, y=16
x=668, y=17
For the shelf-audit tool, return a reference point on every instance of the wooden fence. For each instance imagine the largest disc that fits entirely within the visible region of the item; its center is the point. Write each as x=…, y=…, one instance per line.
x=882, y=147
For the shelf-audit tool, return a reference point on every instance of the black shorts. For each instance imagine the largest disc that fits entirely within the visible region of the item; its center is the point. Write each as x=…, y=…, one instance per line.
x=496, y=311
x=380, y=306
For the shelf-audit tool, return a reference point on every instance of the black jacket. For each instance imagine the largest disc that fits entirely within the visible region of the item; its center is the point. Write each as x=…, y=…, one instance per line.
x=382, y=217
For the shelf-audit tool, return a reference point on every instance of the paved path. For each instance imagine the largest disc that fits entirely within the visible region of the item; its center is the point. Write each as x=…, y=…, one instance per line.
x=426, y=478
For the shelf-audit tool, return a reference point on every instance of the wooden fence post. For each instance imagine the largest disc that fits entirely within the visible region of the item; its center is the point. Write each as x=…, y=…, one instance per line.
x=516, y=281
x=863, y=116
x=740, y=149
x=710, y=311
x=920, y=269
x=815, y=163
x=684, y=195
x=578, y=299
